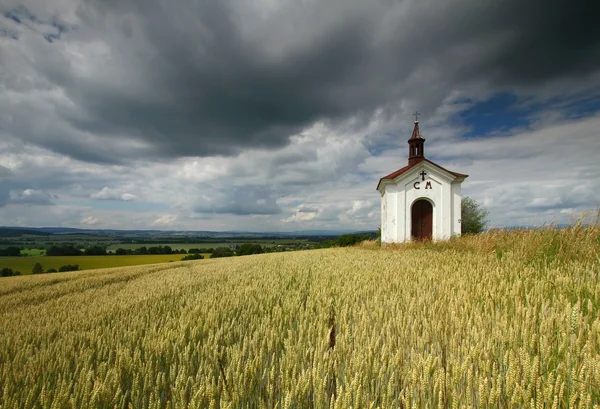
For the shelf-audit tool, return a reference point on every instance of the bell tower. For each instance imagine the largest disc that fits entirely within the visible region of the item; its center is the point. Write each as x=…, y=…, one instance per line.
x=416, y=152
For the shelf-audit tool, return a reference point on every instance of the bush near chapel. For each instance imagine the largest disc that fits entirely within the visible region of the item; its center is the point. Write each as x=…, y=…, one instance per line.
x=473, y=218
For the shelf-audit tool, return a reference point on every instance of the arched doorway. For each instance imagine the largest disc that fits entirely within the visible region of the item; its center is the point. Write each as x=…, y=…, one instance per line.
x=422, y=220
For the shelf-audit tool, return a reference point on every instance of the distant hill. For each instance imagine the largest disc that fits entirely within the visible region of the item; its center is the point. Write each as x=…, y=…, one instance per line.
x=19, y=232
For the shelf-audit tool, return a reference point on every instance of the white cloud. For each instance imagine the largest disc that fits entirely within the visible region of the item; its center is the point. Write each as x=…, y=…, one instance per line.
x=324, y=179
x=127, y=197
x=112, y=194
x=167, y=220
x=89, y=221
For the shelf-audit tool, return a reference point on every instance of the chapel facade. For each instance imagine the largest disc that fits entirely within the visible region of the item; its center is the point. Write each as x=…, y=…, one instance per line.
x=422, y=200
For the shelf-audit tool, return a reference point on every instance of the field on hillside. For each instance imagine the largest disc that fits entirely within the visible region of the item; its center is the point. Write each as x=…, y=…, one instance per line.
x=492, y=321
x=25, y=264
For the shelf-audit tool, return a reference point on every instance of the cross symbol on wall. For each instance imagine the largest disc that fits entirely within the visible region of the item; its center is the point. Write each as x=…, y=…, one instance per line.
x=423, y=173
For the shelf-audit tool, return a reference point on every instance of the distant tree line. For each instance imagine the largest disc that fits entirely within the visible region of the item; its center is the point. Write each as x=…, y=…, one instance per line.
x=69, y=250
x=39, y=269
x=149, y=250
x=63, y=251
x=11, y=251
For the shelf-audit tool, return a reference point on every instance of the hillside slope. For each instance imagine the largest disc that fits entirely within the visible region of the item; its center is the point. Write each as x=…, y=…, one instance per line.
x=499, y=320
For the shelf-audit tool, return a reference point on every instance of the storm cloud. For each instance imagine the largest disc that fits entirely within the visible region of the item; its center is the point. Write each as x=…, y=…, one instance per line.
x=152, y=78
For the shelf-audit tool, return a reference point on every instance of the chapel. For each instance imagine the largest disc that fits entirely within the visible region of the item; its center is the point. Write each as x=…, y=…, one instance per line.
x=422, y=200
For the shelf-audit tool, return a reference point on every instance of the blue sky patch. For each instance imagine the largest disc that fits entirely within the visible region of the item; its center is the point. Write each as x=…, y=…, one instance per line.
x=498, y=114
x=504, y=112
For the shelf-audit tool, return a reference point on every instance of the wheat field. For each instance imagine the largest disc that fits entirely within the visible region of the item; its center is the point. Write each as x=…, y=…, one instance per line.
x=500, y=320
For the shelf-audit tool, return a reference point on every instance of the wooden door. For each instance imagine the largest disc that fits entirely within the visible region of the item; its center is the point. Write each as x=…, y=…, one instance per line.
x=422, y=220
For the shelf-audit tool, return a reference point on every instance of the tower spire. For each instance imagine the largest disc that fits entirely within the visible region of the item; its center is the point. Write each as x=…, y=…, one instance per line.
x=416, y=152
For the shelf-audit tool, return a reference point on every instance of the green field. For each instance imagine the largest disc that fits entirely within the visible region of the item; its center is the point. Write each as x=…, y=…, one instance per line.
x=32, y=252
x=499, y=320
x=25, y=264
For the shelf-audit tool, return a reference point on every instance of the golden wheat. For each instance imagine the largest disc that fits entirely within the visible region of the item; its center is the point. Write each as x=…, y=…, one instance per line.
x=491, y=321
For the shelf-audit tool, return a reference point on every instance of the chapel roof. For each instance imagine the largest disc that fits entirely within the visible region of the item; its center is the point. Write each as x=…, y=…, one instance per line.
x=405, y=169
x=416, y=134
x=416, y=156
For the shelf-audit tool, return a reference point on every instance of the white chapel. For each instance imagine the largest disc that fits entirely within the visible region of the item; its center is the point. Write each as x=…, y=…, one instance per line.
x=420, y=201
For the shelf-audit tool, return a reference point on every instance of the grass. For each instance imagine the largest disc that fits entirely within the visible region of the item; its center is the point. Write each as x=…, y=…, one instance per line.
x=25, y=264
x=498, y=320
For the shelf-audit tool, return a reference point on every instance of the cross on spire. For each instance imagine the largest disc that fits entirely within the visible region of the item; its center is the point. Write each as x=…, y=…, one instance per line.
x=416, y=114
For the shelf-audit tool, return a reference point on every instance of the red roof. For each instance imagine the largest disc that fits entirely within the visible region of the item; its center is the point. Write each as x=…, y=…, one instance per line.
x=408, y=167
x=416, y=132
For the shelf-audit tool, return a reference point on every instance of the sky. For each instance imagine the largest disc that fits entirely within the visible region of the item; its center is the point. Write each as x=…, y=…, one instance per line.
x=283, y=115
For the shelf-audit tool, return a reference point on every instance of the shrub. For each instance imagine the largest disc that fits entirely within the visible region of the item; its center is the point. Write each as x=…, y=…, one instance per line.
x=193, y=256
x=8, y=272
x=11, y=251
x=222, y=252
x=37, y=269
x=63, y=251
x=95, y=251
x=69, y=267
x=249, y=248
x=473, y=217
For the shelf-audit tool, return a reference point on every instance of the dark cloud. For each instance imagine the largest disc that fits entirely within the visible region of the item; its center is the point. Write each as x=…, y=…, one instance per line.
x=548, y=42
x=216, y=77
x=4, y=171
x=31, y=197
x=307, y=209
